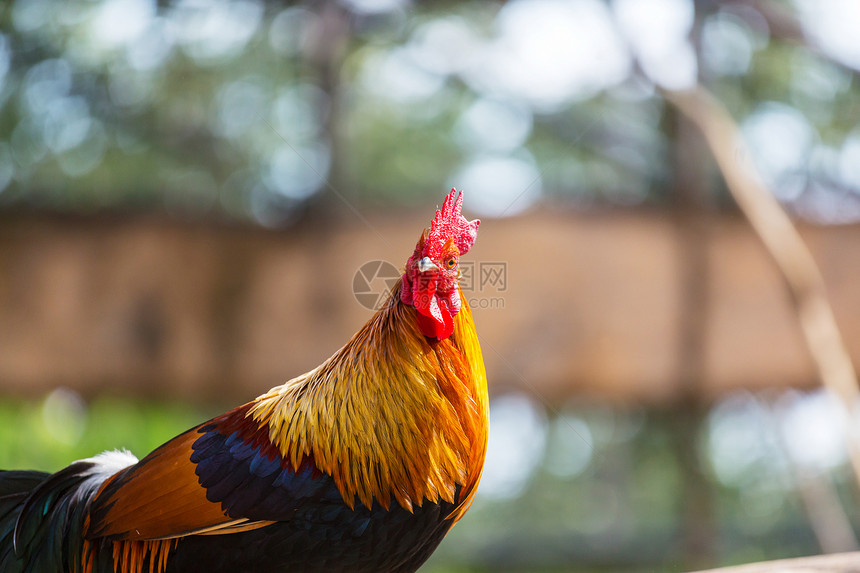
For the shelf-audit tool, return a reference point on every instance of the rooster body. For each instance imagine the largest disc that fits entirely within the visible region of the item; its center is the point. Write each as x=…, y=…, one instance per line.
x=362, y=464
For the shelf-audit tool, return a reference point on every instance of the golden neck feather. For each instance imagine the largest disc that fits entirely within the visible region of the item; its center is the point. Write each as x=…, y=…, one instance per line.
x=391, y=414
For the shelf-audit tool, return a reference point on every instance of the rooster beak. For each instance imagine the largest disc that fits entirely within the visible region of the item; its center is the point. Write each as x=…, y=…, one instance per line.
x=426, y=264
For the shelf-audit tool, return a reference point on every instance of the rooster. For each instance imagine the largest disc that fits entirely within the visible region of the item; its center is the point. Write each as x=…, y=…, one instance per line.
x=362, y=464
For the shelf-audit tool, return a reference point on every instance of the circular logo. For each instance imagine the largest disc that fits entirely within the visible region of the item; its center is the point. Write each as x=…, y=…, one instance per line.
x=372, y=282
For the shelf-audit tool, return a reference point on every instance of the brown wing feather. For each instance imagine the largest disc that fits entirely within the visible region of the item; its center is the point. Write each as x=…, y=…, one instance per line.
x=159, y=497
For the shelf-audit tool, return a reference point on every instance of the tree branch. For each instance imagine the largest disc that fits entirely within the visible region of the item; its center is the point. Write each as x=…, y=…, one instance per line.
x=784, y=243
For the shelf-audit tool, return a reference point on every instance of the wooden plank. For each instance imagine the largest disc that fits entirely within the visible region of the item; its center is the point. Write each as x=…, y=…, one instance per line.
x=836, y=563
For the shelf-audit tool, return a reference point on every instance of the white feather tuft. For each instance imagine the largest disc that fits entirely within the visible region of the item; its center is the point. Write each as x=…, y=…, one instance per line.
x=108, y=463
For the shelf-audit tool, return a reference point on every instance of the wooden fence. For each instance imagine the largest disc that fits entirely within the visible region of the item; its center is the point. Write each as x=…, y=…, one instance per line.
x=566, y=303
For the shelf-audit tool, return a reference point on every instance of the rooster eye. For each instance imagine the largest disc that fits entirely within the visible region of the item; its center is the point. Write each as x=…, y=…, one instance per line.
x=451, y=262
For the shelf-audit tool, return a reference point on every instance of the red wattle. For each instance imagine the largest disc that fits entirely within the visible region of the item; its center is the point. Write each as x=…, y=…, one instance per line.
x=440, y=328
x=435, y=318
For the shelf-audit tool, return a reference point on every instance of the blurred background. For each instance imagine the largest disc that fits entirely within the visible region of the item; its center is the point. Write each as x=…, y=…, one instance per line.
x=189, y=188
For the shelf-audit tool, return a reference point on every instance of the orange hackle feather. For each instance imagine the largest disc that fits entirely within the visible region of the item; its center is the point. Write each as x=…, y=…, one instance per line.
x=131, y=556
x=391, y=414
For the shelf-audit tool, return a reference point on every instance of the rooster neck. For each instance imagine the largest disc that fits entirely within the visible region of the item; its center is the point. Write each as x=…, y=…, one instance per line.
x=391, y=415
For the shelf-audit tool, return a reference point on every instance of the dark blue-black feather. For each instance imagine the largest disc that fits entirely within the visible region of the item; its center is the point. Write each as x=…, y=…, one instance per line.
x=316, y=530
x=41, y=520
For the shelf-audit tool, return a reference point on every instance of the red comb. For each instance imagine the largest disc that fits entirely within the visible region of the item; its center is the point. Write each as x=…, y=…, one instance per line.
x=449, y=223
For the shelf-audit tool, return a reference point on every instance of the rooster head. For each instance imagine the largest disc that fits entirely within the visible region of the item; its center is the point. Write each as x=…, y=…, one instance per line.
x=432, y=272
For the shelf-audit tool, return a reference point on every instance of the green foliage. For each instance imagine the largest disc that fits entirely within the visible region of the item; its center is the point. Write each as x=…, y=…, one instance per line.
x=173, y=115
x=49, y=434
